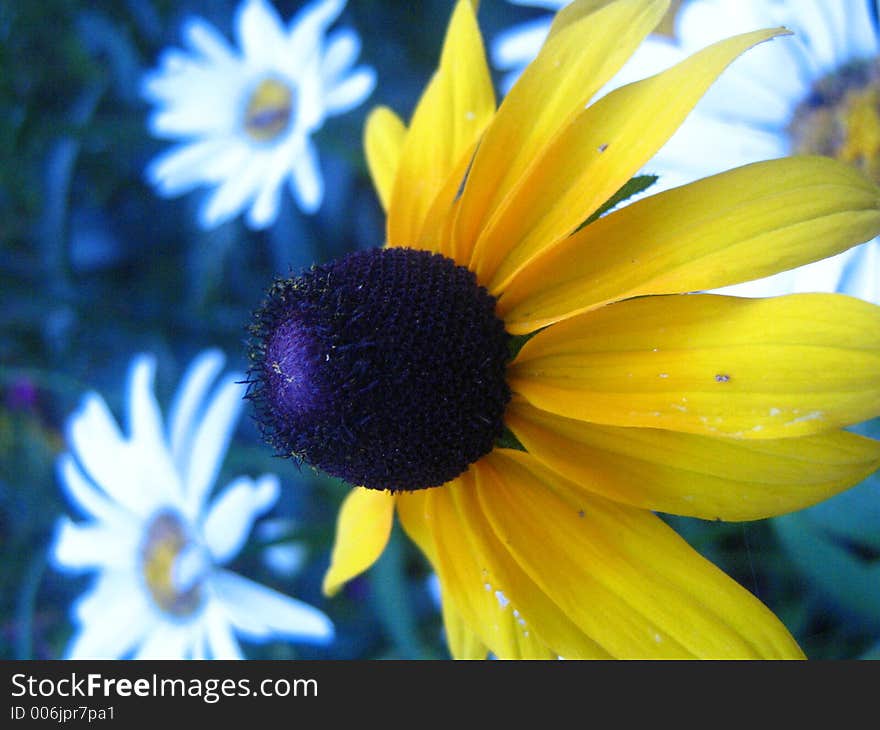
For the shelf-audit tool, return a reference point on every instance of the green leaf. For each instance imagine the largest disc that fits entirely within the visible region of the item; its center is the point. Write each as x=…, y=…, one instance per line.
x=507, y=440
x=636, y=185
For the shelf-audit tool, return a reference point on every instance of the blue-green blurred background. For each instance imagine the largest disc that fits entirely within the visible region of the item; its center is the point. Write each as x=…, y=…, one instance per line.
x=94, y=267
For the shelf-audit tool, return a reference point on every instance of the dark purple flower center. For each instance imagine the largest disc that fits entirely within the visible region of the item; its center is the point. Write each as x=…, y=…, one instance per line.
x=385, y=368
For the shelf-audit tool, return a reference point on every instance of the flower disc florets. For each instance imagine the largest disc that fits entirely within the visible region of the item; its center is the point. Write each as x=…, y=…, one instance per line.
x=385, y=368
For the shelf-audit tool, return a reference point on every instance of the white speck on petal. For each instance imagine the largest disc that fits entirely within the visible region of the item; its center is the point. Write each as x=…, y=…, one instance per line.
x=811, y=416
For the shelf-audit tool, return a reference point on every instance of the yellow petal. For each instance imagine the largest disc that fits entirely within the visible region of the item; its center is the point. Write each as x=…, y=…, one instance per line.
x=627, y=579
x=463, y=643
x=714, y=365
x=531, y=607
x=383, y=141
x=694, y=475
x=573, y=13
x=742, y=224
x=362, y=531
x=436, y=234
x=412, y=508
x=570, y=68
x=463, y=582
x=450, y=116
x=593, y=156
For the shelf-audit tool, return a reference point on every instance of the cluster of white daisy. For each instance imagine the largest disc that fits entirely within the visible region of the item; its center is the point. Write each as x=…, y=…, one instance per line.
x=153, y=536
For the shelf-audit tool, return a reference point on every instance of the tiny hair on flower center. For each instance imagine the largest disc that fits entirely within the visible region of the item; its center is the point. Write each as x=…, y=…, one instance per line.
x=172, y=565
x=841, y=117
x=269, y=110
x=385, y=368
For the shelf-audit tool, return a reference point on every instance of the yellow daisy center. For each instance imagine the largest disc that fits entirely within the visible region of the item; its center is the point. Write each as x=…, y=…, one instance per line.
x=269, y=110
x=171, y=566
x=841, y=118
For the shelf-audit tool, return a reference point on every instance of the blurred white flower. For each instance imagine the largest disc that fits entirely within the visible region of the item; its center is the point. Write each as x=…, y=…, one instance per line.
x=152, y=535
x=817, y=92
x=245, y=117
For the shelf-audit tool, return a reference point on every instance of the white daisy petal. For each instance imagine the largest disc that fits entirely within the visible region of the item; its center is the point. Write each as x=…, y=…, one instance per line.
x=861, y=274
x=188, y=402
x=350, y=91
x=144, y=416
x=260, y=32
x=172, y=63
x=111, y=639
x=815, y=24
x=859, y=39
x=267, y=202
x=204, y=38
x=343, y=48
x=704, y=144
x=260, y=612
x=198, y=111
x=229, y=199
x=153, y=478
x=181, y=168
x=230, y=517
x=702, y=23
x=105, y=457
x=199, y=649
x=520, y=44
x=166, y=641
x=266, y=205
x=211, y=439
x=307, y=183
x=94, y=545
x=285, y=559
x=229, y=162
x=307, y=27
x=112, y=617
x=82, y=493
x=656, y=54
x=218, y=633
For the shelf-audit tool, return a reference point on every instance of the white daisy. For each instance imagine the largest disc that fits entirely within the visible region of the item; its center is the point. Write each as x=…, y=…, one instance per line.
x=817, y=92
x=152, y=535
x=245, y=117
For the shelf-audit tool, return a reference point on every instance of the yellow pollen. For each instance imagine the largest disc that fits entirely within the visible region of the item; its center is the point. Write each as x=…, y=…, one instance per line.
x=862, y=119
x=269, y=110
x=165, y=541
x=841, y=118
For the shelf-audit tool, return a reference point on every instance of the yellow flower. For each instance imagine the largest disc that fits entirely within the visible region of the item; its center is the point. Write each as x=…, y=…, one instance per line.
x=634, y=395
